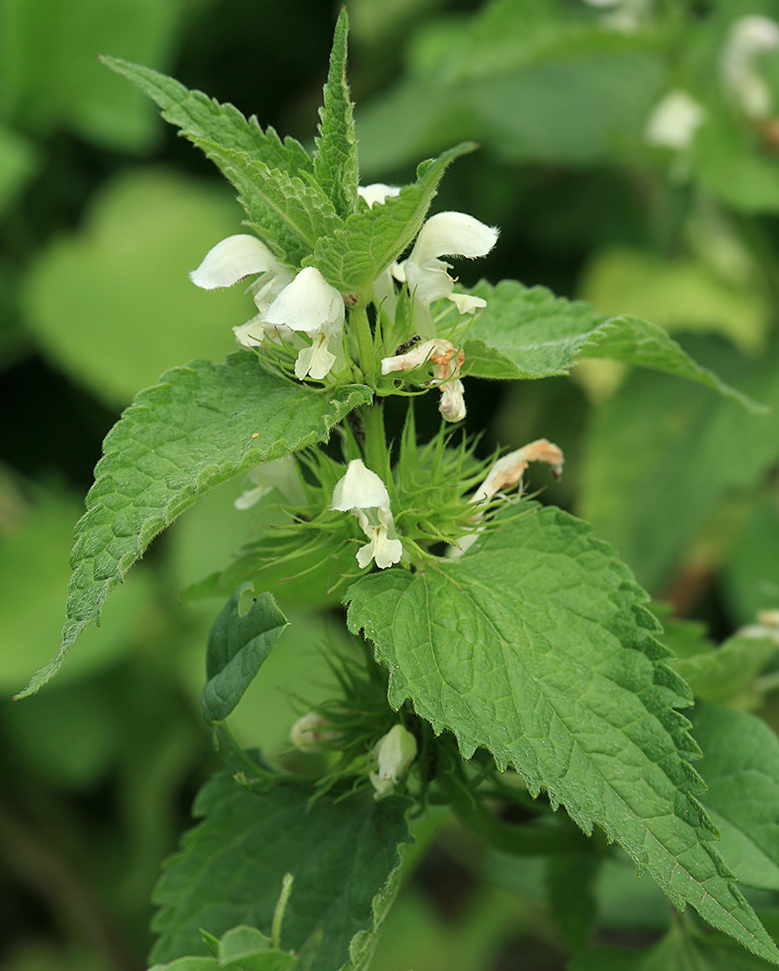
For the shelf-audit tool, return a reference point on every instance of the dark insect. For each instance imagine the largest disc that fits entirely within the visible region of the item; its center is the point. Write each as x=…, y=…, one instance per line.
x=402, y=348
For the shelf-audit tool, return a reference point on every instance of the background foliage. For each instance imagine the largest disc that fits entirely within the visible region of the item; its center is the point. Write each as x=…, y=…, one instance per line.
x=103, y=210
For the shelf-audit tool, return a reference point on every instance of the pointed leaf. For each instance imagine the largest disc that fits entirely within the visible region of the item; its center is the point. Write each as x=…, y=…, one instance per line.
x=537, y=645
x=201, y=425
x=237, y=647
x=229, y=871
x=257, y=162
x=288, y=214
x=350, y=259
x=336, y=165
x=530, y=333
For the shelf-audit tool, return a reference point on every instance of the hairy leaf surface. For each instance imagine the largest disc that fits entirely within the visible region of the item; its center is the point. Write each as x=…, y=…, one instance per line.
x=537, y=645
x=344, y=857
x=531, y=333
x=350, y=259
x=198, y=427
x=336, y=165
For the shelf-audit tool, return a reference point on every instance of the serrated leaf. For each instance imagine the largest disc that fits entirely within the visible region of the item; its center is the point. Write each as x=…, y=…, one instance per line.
x=531, y=333
x=336, y=165
x=257, y=162
x=353, y=257
x=237, y=647
x=229, y=871
x=537, y=645
x=288, y=214
x=201, y=425
x=741, y=770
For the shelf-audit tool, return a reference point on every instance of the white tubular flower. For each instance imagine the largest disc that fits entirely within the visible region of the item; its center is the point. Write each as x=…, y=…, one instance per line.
x=234, y=259
x=445, y=234
x=446, y=364
x=674, y=121
x=309, y=305
x=747, y=39
x=362, y=493
x=394, y=753
x=506, y=473
x=281, y=474
x=310, y=732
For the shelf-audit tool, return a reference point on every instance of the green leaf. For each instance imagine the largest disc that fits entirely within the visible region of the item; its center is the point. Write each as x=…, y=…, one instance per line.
x=741, y=770
x=353, y=257
x=336, y=165
x=198, y=427
x=237, y=647
x=240, y=949
x=726, y=673
x=661, y=456
x=537, y=645
x=282, y=209
x=288, y=214
x=530, y=333
x=342, y=854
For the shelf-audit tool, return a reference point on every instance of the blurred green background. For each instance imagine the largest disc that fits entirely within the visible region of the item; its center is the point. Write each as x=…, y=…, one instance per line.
x=103, y=210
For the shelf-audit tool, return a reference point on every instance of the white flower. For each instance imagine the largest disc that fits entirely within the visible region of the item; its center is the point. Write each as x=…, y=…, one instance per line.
x=234, y=259
x=362, y=493
x=309, y=305
x=446, y=361
x=506, y=473
x=747, y=38
x=445, y=234
x=311, y=731
x=394, y=753
x=674, y=121
x=383, y=287
x=281, y=474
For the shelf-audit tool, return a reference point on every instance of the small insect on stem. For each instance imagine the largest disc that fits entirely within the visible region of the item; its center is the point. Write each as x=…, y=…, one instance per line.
x=402, y=348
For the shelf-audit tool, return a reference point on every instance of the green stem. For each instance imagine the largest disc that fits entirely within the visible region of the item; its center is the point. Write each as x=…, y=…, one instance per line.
x=359, y=323
x=376, y=452
x=523, y=840
x=278, y=914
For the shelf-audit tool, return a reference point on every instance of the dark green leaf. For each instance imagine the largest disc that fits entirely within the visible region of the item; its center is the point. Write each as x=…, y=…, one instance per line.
x=237, y=647
x=200, y=426
x=537, y=645
x=344, y=857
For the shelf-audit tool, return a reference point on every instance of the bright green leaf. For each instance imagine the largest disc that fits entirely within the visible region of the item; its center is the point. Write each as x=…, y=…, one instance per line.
x=336, y=165
x=353, y=257
x=537, y=645
x=741, y=770
x=530, y=333
x=200, y=426
x=237, y=646
x=342, y=855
